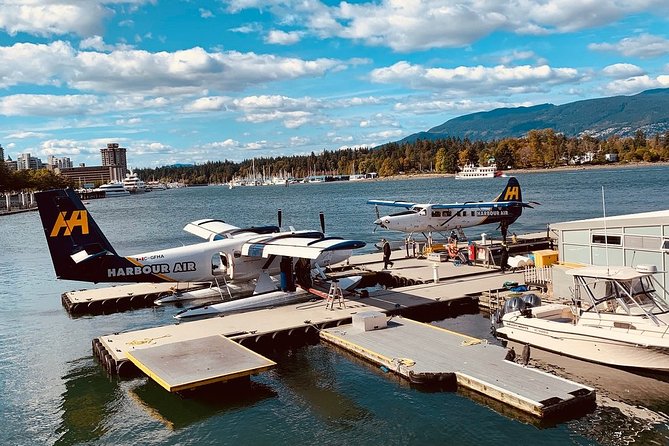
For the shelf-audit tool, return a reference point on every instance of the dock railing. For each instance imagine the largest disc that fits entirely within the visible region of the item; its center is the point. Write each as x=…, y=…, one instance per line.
x=537, y=276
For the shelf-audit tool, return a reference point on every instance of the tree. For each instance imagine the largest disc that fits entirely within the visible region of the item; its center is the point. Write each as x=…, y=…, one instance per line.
x=440, y=161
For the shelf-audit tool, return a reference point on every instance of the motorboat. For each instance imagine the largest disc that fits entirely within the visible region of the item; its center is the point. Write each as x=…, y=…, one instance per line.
x=618, y=316
x=470, y=171
x=133, y=184
x=113, y=189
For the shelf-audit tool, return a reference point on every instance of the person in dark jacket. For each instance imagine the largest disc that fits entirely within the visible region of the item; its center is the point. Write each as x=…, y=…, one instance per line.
x=386, y=254
x=504, y=261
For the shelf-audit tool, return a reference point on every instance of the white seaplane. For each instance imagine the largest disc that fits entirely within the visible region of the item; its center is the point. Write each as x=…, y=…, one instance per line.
x=80, y=251
x=442, y=218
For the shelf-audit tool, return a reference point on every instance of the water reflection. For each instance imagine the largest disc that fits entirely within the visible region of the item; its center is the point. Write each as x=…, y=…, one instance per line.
x=311, y=373
x=177, y=411
x=85, y=403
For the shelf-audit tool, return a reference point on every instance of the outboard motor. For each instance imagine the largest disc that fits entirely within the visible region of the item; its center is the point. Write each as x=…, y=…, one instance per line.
x=514, y=304
x=531, y=300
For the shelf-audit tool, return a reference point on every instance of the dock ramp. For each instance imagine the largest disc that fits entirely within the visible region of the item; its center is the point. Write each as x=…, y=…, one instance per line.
x=192, y=363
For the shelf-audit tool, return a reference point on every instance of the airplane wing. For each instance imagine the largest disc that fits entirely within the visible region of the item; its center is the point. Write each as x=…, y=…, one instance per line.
x=480, y=205
x=399, y=204
x=307, y=245
x=209, y=228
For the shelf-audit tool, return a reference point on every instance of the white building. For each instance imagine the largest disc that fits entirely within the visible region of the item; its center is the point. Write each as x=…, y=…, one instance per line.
x=55, y=162
x=622, y=240
x=25, y=162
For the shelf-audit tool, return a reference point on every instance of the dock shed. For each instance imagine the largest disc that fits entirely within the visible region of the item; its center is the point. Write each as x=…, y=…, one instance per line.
x=621, y=240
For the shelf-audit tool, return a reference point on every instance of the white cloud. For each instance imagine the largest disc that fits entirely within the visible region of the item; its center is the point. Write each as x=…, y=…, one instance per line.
x=47, y=105
x=622, y=70
x=636, y=84
x=474, y=79
x=98, y=44
x=386, y=134
x=121, y=71
x=431, y=106
x=26, y=135
x=644, y=46
x=205, y=13
x=53, y=18
x=409, y=25
x=279, y=37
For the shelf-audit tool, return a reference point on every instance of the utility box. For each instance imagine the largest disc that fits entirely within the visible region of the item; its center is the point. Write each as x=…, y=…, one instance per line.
x=369, y=321
x=545, y=257
x=437, y=257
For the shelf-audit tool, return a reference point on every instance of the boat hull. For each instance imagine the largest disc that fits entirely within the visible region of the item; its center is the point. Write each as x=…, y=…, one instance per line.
x=596, y=344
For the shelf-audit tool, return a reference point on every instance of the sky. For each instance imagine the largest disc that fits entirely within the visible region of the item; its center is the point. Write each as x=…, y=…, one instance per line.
x=185, y=81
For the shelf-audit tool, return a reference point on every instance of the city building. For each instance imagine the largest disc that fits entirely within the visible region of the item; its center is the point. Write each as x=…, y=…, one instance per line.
x=55, y=162
x=25, y=161
x=83, y=176
x=114, y=157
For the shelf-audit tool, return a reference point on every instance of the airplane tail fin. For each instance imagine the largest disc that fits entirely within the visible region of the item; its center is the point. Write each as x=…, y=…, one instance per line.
x=511, y=191
x=74, y=239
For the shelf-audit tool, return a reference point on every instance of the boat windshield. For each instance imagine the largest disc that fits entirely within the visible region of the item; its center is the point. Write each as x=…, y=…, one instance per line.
x=636, y=296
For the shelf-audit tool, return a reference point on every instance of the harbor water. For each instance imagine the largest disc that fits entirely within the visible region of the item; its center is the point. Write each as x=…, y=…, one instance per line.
x=54, y=391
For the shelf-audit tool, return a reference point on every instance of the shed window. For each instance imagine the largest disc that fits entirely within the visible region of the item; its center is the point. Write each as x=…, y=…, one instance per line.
x=606, y=240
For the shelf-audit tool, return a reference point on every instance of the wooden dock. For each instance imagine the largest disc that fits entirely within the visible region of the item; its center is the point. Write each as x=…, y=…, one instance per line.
x=426, y=354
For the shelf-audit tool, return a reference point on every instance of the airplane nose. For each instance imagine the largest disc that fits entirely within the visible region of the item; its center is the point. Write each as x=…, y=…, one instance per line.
x=379, y=222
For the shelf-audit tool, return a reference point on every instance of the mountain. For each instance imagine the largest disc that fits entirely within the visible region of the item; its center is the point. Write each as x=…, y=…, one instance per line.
x=603, y=117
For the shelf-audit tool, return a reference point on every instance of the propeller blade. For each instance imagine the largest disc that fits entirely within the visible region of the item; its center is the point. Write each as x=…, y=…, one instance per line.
x=278, y=217
x=322, y=218
x=378, y=214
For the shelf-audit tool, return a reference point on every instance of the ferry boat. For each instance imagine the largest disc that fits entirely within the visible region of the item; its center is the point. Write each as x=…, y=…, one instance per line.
x=133, y=184
x=470, y=171
x=112, y=189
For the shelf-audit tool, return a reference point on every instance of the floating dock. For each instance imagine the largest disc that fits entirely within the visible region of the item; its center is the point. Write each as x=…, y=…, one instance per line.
x=426, y=354
x=121, y=297
x=191, y=354
x=193, y=363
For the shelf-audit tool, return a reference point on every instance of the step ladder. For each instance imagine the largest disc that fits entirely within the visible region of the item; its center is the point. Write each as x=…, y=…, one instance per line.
x=335, y=295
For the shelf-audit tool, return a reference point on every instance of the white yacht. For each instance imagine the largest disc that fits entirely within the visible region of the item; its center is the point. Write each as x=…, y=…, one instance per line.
x=133, y=184
x=470, y=171
x=113, y=189
x=619, y=316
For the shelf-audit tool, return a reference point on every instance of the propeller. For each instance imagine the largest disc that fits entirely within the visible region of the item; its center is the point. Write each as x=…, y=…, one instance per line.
x=278, y=217
x=378, y=217
x=321, y=216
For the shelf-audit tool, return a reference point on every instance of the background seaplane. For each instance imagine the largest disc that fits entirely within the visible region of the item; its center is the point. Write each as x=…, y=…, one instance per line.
x=441, y=218
x=80, y=251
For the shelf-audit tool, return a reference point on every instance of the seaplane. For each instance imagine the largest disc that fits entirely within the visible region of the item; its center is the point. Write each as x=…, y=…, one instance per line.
x=442, y=218
x=232, y=255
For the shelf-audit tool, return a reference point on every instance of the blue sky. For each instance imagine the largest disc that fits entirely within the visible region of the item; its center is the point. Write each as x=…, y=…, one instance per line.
x=196, y=81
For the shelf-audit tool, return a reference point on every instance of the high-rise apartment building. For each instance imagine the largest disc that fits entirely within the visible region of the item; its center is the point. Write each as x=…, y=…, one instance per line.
x=114, y=157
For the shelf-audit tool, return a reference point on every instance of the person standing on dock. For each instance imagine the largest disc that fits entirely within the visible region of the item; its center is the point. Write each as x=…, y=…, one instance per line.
x=386, y=254
x=503, y=262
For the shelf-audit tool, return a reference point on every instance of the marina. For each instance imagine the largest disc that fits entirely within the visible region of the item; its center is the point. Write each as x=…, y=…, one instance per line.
x=316, y=389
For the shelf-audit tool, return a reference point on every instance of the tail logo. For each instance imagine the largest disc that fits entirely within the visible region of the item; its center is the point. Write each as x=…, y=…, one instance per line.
x=77, y=219
x=512, y=193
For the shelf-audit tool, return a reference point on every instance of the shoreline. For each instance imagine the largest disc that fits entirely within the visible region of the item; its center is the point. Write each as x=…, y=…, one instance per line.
x=512, y=172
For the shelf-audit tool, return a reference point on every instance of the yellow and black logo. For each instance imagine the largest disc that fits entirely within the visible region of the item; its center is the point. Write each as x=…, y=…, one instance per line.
x=78, y=219
x=512, y=193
